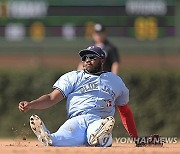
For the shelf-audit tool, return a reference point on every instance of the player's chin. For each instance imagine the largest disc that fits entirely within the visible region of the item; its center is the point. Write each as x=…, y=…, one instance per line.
x=89, y=67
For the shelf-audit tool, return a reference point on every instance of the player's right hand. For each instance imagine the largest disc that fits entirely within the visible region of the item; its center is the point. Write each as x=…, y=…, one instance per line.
x=24, y=106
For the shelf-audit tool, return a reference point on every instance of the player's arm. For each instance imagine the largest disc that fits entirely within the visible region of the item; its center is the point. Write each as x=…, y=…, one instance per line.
x=128, y=120
x=115, y=61
x=115, y=67
x=42, y=102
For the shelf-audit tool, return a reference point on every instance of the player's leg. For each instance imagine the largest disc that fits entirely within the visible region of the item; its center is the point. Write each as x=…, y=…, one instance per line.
x=99, y=132
x=40, y=130
x=71, y=133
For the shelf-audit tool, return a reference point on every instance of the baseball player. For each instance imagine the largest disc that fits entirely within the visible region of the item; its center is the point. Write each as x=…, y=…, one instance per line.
x=92, y=96
x=100, y=39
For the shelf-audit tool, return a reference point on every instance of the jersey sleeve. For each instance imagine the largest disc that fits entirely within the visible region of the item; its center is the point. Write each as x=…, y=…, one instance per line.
x=123, y=99
x=66, y=83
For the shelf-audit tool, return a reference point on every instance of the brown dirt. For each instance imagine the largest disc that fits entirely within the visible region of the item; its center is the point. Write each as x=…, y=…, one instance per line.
x=24, y=61
x=33, y=147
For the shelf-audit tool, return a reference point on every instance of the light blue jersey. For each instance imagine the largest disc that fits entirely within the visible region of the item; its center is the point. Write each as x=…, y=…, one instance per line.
x=92, y=94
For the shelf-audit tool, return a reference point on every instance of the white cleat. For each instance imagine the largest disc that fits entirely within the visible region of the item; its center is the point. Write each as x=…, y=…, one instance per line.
x=102, y=132
x=40, y=130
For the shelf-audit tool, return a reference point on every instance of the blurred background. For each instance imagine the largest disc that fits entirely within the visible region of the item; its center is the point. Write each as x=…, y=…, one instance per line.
x=40, y=39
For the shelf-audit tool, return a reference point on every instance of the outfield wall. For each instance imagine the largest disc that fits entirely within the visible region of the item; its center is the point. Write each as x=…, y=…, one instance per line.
x=60, y=45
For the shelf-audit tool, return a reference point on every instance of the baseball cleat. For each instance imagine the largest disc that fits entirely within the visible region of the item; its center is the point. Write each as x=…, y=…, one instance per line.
x=40, y=130
x=104, y=129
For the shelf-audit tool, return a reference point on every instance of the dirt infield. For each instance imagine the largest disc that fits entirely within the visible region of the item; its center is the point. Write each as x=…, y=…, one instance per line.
x=34, y=147
x=59, y=61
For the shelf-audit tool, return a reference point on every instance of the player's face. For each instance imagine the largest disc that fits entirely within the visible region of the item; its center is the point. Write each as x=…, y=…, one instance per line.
x=99, y=37
x=92, y=63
